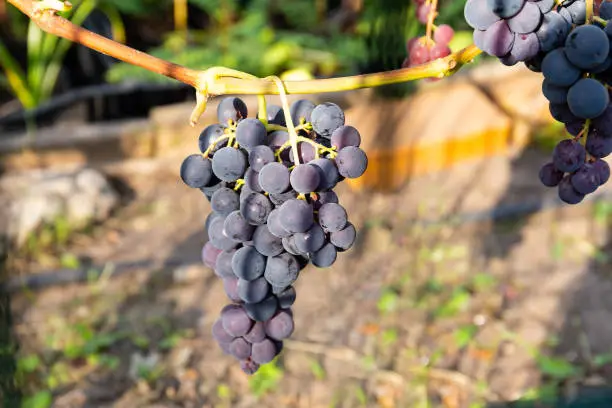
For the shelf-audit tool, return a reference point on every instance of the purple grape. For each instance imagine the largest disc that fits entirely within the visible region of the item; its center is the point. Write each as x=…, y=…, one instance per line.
x=296, y=216
x=324, y=257
x=498, y=39
x=196, y=171
x=262, y=311
x=235, y=320
x=603, y=170
x=274, y=178
x=345, y=238
x=567, y=192
x=274, y=225
x=550, y=176
x=230, y=285
x=259, y=156
x=229, y=164
x=210, y=254
x=255, y=208
x=305, y=178
x=282, y=270
x=352, y=162
x=478, y=14
x=237, y=228
x=345, y=136
x=326, y=118
x=253, y=291
x=249, y=366
x=220, y=334
x=568, y=156
x=257, y=333
x=527, y=20
x=264, y=351
x=225, y=200
x=240, y=348
x=248, y=263
x=332, y=217
x=280, y=326
x=217, y=235
x=328, y=173
x=267, y=243
x=311, y=240
x=598, y=146
x=586, y=179
x=250, y=133
x=223, y=266
x=209, y=135
x=231, y=109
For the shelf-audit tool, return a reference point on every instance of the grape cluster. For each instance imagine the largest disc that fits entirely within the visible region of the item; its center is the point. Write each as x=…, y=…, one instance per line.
x=575, y=59
x=274, y=212
x=421, y=50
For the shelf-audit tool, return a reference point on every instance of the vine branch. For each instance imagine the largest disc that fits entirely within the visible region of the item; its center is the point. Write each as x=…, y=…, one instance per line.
x=220, y=80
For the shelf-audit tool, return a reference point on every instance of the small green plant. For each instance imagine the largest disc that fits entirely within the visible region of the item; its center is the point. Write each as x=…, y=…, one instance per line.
x=266, y=379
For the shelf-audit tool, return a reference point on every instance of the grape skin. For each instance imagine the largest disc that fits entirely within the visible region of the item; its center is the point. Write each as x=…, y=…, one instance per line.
x=598, y=146
x=256, y=334
x=326, y=118
x=328, y=173
x=230, y=285
x=568, y=156
x=567, y=193
x=250, y=133
x=282, y=270
x=229, y=164
x=587, y=46
x=301, y=111
x=550, y=176
x=225, y=201
x=352, y=162
x=324, y=257
x=220, y=334
x=332, y=217
x=253, y=291
x=223, y=266
x=585, y=180
x=558, y=70
x=348, y=135
x=498, y=39
x=262, y=311
x=210, y=254
x=209, y=135
x=603, y=170
x=345, y=238
x=264, y=351
x=231, y=109
x=280, y=327
x=259, y=156
x=217, y=235
x=237, y=228
x=588, y=98
x=248, y=263
x=235, y=320
x=304, y=178
x=240, y=348
x=267, y=243
x=255, y=208
x=296, y=216
x=311, y=240
x=196, y=171
x=274, y=178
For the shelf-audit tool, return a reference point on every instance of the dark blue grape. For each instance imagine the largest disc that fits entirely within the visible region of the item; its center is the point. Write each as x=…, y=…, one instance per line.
x=553, y=31
x=217, y=235
x=266, y=243
x=259, y=156
x=554, y=93
x=231, y=109
x=598, y=146
x=585, y=180
x=588, y=98
x=603, y=170
x=253, y=291
x=326, y=118
x=209, y=135
x=251, y=133
x=276, y=115
x=562, y=113
x=332, y=217
x=305, y=178
x=196, y=171
x=587, y=46
x=255, y=208
x=567, y=192
x=225, y=201
x=282, y=270
x=605, y=10
x=286, y=298
x=296, y=216
x=229, y=164
x=324, y=257
x=262, y=311
x=274, y=178
x=345, y=238
x=311, y=240
x=345, y=136
x=352, y=162
x=301, y=110
x=237, y=228
x=248, y=263
x=558, y=70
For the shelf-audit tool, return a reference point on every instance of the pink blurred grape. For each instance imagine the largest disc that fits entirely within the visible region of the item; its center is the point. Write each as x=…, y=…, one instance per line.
x=420, y=54
x=418, y=2
x=443, y=34
x=439, y=51
x=423, y=13
x=406, y=63
x=411, y=43
x=209, y=255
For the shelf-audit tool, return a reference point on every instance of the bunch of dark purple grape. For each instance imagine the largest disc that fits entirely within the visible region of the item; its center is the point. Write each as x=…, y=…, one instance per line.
x=575, y=57
x=274, y=212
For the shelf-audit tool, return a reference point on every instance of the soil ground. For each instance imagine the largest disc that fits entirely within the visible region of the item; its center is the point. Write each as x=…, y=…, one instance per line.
x=417, y=314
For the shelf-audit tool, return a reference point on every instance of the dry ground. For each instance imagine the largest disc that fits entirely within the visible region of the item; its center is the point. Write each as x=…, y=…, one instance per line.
x=418, y=314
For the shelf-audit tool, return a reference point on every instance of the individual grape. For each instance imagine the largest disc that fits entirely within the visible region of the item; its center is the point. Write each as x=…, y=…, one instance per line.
x=545, y=5
x=256, y=334
x=225, y=201
x=567, y=192
x=605, y=10
x=585, y=180
x=419, y=54
x=280, y=327
x=422, y=13
x=231, y=109
x=498, y=39
x=598, y=146
x=558, y=70
x=240, y=348
x=324, y=197
x=229, y=164
x=568, y=156
x=253, y=291
x=264, y=351
x=274, y=178
x=220, y=334
x=326, y=118
x=439, y=51
x=443, y=34
x=276, y=115
x=603, y=123
x=478, y=14
x=311, y=240
x=554, y=93
x=277, y=138
x=266, y=243
x=603, y=170
x=526, y=46
x=262, y=311
x=550, y=176
x=505, y=8
x=217, y=235
x=286, y=298
x=259, y=156
x=255, y=208
x=304, y=178
x=282, y=270
x=296, y=216
x=210, y=254
x=603, y=67
x=249, y=366
x=345, y=136
x=301, y=110
x=209, y=135
x=527, y=20
x=196, y=171
x=352, y=162
x=574, y=13
x=274, y=225
x=237, y=228
x=230, y=285
x=328, y=173
x=587, y=46
x=250, y=133
x=235, y=320
x=588, y=98
x=223, y=266
x=251, y=180
x=324, y=257
x=345, y=238
x=332, y=217
x=306, y=153
x=248, y=263
x=553, y=31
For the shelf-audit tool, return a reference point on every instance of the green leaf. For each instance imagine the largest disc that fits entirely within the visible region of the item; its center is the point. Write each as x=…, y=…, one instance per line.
x=464, y=335
x=266, y=379
x=41, y=399
x=557, y=368
x=388, y=301
x=29, y=364
x=458, y=302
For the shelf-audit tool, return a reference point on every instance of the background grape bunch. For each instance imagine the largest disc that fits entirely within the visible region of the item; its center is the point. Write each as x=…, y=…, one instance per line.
x=273, y=213
x=575, y=58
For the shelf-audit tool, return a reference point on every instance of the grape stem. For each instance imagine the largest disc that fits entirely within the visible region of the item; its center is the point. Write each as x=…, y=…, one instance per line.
x=293, y=136
x=220, y=80
x=318, y=148
x=433, y=13
x=589, y=11
x=214, y=144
